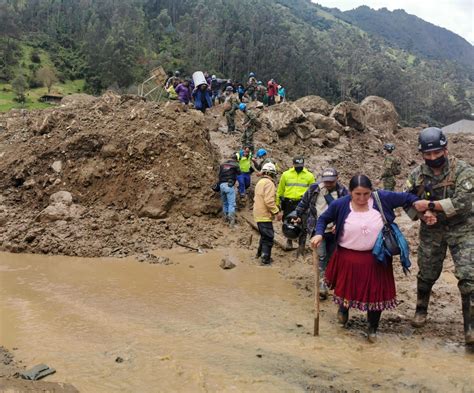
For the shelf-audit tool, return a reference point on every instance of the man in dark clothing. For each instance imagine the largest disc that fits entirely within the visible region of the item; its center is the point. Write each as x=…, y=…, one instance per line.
x=315, y=202
x=228, y=172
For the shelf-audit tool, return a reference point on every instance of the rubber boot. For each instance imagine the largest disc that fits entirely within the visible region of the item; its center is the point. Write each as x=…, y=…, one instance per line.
x=289, y=244
x=342, y=315
x=231, y=220
x=468, y=316
x=259, y=252
x=323, y=290
x=265, y=260
x=373, y=317
x=300, y=251
x=423, y=299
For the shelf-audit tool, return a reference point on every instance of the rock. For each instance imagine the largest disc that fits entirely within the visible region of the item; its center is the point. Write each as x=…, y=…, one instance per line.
x=30, y=183
x=318, y=133
x=76, y=100
x=46, y=125
x=153, y=259
x=325, y=122
x=317, y=142
x=304, y=130
x=314, y=104
x=349, y=114
x=333, y=136
x=57, y=166
x=282, y=118
x=226, y=263
x=109, y=150
x=55, y=212
x=157, y=205
x=380, y=114
x=61, y=197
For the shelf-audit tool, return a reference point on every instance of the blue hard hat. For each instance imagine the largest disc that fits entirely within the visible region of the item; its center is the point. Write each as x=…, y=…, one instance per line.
x=242, y=106
x=261, y=153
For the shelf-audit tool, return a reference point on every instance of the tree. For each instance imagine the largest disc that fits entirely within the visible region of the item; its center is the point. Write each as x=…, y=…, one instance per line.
x=19, y=86
x=47, y=76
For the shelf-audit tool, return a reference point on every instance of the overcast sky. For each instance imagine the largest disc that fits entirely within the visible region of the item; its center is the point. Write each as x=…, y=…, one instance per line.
x=454, y=15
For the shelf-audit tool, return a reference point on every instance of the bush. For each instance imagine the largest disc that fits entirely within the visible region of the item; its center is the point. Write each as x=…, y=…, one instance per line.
x=35, y=57
x=34, y=83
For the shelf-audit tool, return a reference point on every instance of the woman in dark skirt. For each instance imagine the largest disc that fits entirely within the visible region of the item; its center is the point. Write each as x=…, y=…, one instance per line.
x=358, y=279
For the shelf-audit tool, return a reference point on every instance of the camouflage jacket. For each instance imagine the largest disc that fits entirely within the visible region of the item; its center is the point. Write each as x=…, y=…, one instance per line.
x=453, y=189
x=250, y=118
x=391, y=166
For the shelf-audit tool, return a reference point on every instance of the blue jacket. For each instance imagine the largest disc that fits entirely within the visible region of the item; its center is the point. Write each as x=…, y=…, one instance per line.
x=308, y=203
x=339, y=210
x=199, y=97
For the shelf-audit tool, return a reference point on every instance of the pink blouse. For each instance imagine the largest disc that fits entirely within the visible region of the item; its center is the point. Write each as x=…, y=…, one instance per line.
x=361, y=229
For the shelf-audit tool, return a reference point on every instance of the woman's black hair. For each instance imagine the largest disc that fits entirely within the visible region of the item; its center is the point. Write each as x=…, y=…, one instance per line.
x=360, y=181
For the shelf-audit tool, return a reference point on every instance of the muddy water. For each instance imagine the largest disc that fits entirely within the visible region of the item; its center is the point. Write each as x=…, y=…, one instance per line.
x=192, y=326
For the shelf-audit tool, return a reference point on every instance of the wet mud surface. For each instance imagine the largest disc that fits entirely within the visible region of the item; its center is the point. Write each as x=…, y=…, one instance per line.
x=119, y=325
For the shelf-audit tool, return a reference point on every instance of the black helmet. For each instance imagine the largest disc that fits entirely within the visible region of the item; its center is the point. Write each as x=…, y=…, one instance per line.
x=389, y=147
x=290, y=230
x=431, y=139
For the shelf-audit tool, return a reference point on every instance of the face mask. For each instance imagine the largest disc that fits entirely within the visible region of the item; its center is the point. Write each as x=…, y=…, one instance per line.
x=436, y=163
x=298, y=169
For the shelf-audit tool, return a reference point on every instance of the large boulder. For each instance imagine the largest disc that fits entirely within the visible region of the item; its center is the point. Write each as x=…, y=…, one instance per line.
x=380, y=114
x=350, y=114
x=325, y=122
x=282, y=118
x=314, y=104
x=304, y=130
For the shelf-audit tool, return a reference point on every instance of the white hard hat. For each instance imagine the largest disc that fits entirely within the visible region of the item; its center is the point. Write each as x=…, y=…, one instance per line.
x=270, y=168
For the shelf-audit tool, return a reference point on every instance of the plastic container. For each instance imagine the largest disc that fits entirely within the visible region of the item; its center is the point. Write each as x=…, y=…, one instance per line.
x=199, y=79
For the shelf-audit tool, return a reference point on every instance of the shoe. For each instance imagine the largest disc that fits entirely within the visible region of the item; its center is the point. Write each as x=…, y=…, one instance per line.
x=342, y=315
x=372, y=335
x=231, y=220
x=323, y=290
x=289, y=244
x=468, y=316
x=265, y=260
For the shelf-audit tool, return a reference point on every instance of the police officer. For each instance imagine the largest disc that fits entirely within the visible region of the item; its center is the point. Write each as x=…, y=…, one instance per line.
x=391, y=168
x=293, y=184
x=447, y=187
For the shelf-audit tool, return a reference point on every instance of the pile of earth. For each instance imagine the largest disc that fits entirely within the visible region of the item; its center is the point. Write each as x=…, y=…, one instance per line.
x=110, y=176
x=116, y=175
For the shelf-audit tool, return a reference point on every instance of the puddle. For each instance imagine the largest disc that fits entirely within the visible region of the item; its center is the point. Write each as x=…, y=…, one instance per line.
x=192, y=326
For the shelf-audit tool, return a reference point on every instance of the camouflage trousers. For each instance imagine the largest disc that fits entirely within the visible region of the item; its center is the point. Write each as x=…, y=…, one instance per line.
x=247, y=137
x=434, y=242
x=389, y=183
x=230, y=118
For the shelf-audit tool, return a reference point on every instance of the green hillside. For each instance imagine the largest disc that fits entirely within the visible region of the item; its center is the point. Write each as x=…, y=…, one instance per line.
x=307, y=48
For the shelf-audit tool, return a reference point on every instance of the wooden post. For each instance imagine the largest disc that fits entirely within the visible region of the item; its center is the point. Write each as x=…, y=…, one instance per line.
x=316, y=291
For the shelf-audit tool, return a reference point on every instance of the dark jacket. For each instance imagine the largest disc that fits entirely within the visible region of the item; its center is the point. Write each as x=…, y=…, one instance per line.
x=339, y=210
x=228, y=172
x=308, y=202
x=200, y=97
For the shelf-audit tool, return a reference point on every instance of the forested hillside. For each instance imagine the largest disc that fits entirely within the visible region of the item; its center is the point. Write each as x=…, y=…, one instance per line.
x=115, y=43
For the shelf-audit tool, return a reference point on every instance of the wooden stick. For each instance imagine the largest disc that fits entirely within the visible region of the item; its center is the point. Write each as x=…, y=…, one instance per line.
x=316, y=291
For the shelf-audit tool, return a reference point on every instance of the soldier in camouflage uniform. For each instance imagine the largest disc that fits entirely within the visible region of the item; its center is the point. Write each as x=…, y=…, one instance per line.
x=391, y=168
x=447, y=187
x=250, y=124
x=230, y=106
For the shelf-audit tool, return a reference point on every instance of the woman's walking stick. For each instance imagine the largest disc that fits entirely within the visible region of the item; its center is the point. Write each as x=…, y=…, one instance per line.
x=316, y=291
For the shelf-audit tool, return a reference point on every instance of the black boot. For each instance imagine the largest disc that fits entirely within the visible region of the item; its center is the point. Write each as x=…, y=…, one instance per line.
x=266, y=260
x=468, y=316
x=423, y=299
x=259, y=252
x=342, y=315
x=373, y=317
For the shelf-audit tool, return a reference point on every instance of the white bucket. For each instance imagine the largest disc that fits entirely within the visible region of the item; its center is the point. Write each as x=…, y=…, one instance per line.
x=199, y=79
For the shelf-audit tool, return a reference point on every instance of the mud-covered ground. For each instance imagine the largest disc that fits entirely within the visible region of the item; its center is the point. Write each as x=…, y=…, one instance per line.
x=139, y=175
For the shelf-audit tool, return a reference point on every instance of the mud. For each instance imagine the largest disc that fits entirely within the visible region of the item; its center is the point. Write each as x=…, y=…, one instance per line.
x=192, y=326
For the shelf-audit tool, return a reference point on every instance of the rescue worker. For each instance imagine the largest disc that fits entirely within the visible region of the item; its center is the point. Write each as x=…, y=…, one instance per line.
x=264, y=211
x=447, y=187
x=251, y=86
x=261, y=92
x=230, y=106
x=173, y=80
x=261, y=159
x=315, y=202
x=293, y=184
x=228, y=172
x=250, y=125
x=391, y=167
x=244, y=158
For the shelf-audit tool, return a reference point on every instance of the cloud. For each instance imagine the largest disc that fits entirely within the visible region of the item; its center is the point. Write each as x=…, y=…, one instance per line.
x=454, y=15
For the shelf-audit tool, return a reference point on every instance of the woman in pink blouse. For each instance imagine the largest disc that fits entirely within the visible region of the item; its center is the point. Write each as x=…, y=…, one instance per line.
x=358, y=279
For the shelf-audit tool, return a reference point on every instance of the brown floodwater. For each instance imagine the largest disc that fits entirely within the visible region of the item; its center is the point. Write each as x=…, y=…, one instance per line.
x=193, y=327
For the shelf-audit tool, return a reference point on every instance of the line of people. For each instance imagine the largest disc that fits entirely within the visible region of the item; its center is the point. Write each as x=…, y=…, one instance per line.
x=346, y=224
